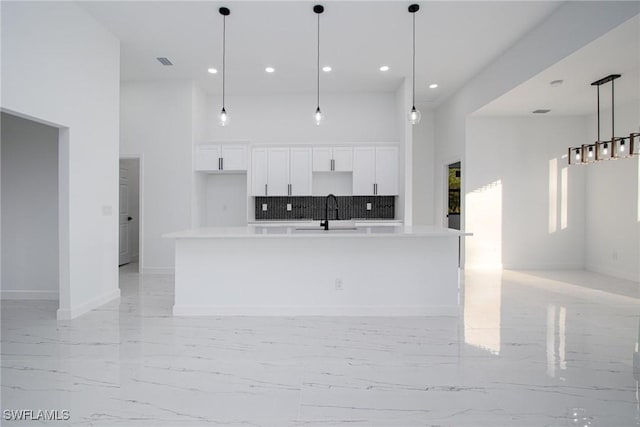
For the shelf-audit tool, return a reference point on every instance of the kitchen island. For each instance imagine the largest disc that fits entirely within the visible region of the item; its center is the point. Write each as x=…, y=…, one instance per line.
x=304, y=270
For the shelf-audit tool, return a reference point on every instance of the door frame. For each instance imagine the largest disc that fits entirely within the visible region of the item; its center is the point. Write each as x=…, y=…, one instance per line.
x=140, y=159
x=444, y=220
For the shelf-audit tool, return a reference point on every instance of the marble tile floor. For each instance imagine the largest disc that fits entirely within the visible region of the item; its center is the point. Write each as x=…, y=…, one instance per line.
x=527, y=349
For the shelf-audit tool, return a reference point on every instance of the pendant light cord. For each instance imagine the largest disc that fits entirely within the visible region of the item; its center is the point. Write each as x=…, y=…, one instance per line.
x=413, y=101
x=598, y=113
x=224, y=51
x=318, y=67
x=613, y=115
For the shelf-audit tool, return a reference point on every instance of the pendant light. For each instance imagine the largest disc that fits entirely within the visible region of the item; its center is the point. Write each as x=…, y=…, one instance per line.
x=318, y=116
x=224, y=117
x=614, y=148
x=414, y=114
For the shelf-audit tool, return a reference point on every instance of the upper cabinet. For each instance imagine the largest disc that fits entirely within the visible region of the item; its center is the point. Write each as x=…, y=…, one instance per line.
x=375, y=171
x=221, y=158
x=327, y=159
x=281, y=171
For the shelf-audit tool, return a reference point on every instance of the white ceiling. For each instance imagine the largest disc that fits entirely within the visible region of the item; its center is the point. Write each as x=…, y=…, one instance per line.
x=617, y=52
x=455, y=40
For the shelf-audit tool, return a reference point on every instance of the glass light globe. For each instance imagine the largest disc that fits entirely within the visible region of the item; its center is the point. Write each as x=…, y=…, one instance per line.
x=414, y=116
x=318, y=117
x=223, y=117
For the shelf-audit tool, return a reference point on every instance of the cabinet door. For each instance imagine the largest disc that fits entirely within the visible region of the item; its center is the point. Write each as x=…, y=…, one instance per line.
x=301, y=167
x=206, y=158
x=259, y=172
x=343, y=159
x=234, y=157
x=364, y=164
x=278, y=171
x=387, y=171
x=322, y=159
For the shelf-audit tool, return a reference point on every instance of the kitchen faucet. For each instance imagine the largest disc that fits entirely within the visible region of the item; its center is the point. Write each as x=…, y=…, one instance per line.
x=325, y=223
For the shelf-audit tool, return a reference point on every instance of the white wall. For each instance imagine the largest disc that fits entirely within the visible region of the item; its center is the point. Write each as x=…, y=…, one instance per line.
x=423, y=171
x=133, y=168
x=225, y=199
x=79, y=92
x=525, y=205
x=30, y=209
x=613, y=202
x=288, y=118
x=568, y=28
x=156, y=122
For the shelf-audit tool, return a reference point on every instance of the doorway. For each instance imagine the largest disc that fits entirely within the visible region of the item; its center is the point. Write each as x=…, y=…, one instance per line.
x=129, y=212
x=454, y=208
x=31, y=235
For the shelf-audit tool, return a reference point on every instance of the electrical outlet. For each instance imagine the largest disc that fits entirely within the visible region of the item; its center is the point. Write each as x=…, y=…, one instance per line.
x=288, y=207
x=264, y=207
x=339, y=286
x=368, y=206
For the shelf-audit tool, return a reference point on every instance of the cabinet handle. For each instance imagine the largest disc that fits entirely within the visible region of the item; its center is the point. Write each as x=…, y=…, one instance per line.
x=221, y=163
x=375, y=189
x=289, y=189
x=332, y=165
x=265, y=189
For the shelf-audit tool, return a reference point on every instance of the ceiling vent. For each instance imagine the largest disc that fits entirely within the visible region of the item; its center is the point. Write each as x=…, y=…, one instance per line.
x=164, y=61
x=540, y=111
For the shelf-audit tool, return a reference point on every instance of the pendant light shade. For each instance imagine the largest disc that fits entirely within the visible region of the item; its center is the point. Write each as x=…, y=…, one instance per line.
x=414, y=114
x=318, y=115
x=223, y=117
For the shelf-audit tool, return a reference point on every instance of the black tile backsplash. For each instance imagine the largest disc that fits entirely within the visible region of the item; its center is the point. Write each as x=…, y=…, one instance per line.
x=312, y=208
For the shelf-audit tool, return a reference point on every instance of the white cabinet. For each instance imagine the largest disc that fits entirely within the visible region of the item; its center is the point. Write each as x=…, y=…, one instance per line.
x=219, y=158
x=278, y=171
x=300, y=172
x=327, y=159
x=281, y=171
x=259, y=172
x=375, y=171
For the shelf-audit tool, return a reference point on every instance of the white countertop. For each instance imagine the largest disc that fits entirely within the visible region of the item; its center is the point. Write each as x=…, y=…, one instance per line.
x=257, y=231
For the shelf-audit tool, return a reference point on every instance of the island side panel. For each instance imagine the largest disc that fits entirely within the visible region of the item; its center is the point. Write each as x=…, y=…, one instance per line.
x=317, y=276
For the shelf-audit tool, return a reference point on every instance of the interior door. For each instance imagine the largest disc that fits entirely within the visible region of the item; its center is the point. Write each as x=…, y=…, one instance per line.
x=124, y=217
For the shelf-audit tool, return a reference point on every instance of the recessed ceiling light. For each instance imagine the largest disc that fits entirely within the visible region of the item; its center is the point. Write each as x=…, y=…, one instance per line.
x=212, y=71
x=164, y=61
x=384, y=68
x=433, y=85
x=541, y=111
x=269, y=69
x=326, y=69
x=556, y=83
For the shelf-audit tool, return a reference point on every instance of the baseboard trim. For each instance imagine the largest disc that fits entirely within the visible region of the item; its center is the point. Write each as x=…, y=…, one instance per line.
x=543, y=266
x=68, y=314
x=29, y=295
x=295, y=311
x=158, y=270
x=618, y=274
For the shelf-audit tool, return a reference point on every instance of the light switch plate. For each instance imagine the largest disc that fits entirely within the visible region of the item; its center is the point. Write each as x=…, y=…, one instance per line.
x=368, y=206
x=289, y=207
x=107, y=210
x=264, y=207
